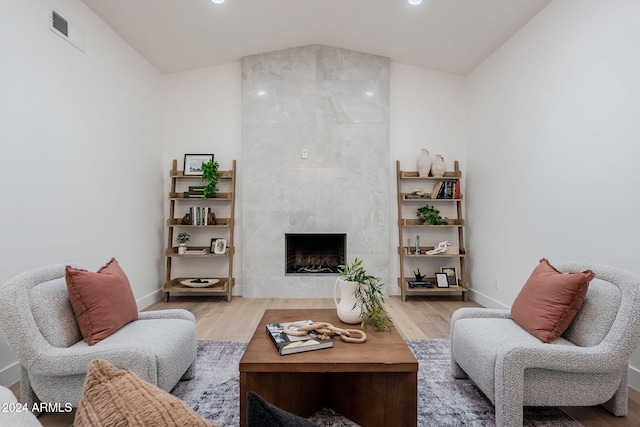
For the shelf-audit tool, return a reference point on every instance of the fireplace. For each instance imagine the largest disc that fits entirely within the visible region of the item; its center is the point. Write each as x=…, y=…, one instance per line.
x=314, y=253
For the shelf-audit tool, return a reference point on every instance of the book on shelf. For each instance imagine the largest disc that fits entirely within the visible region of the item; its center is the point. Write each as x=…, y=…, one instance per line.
x=413, y=196
x=437, y=188
x=289, y=344
x=200, y=215
x=195, y=251
x=189, y=195
x=196, y=189
x=445, y=190
x=420, y=284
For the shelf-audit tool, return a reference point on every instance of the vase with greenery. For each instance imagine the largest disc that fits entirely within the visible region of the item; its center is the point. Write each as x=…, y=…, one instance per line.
x=210, y=175
x=182, y=240
x=431, y=215
x=366, y=299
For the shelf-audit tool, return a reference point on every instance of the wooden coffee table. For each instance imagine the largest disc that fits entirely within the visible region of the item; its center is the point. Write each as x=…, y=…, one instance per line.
x=372, y=384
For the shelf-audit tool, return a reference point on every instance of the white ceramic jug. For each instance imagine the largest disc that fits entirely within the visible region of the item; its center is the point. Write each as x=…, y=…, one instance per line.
x=438, y=167
x=346, y=310
x=424, y=163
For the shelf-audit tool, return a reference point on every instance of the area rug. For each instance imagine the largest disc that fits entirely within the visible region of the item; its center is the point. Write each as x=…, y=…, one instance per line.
x=442, y=400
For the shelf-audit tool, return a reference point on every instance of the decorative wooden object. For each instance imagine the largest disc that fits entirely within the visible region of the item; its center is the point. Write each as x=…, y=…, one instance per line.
x=409, y=226
x=223, y=227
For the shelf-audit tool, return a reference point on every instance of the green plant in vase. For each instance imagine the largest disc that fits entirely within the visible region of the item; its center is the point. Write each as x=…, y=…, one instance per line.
x=369, y=298
x=431, y=215
x=210, y=175
x=181, y=240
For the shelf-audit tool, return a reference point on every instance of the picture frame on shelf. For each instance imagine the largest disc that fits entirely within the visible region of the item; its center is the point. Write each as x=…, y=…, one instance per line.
x=193, y=163
x=220, y=246
x=452, y=275
x=212, y=246
x=441, y=280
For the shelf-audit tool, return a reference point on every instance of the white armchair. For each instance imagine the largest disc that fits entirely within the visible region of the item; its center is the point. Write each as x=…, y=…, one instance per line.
x=586, y=366
x=39, y=324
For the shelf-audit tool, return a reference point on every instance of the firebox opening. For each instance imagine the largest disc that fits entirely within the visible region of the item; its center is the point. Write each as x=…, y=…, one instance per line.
x=314, y=253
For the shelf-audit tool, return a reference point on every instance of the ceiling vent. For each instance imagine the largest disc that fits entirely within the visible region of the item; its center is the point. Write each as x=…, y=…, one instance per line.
x=65, y=29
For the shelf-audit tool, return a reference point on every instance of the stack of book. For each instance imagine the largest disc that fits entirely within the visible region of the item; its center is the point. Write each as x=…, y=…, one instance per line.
x=195, y=191
x=289, y=344
x=200, y=215
x=446, y=190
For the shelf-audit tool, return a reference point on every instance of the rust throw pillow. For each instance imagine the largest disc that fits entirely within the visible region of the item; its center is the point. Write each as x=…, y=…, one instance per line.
x=549, y=300
x=102, y=302
x=116, y=397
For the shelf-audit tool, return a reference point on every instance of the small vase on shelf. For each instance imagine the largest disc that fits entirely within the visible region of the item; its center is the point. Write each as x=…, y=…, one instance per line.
x=424, y=163
x=182, y=248
x=438, y=167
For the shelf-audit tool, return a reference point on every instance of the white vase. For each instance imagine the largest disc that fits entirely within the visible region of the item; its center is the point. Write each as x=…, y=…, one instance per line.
x=424, y=163
x=182, y=248
x=438, y=167
x=348, y=312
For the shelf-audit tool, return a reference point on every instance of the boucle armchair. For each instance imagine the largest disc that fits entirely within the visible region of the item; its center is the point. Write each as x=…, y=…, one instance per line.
x=39, y=324
x=586, y=366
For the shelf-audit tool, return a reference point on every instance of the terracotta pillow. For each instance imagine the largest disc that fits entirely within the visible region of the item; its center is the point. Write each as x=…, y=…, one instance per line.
x=549, y=300
x=102, y=302
x=117, y=397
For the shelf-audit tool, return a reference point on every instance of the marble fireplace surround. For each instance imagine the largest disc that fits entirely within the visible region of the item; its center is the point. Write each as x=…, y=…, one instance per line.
x=333, y=103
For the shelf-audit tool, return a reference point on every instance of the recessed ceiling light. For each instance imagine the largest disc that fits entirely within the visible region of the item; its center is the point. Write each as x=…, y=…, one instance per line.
x=411, y=2
x=222, y=1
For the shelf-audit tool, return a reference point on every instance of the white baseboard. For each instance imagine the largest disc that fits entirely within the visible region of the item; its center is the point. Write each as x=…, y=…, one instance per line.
x=149, y=299
x=10, y=375
x=634, y=378
x=485, y=300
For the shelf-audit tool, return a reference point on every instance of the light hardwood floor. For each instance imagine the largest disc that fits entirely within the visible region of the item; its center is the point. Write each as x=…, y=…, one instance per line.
x=416, y=318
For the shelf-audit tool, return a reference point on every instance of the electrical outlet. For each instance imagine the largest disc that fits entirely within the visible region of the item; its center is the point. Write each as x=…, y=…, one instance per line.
x=496, y=282
x=305, y=153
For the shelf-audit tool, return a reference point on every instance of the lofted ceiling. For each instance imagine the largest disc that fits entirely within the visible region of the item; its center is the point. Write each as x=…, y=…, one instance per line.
x=452, y=36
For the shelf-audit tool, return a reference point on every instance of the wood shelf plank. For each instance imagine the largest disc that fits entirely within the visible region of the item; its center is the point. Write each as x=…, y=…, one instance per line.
x=173, y=252
x=448, y=176
x=419, y=223
x=220, y=222
x=174, y=285
x=228, y=174
x=219, y=197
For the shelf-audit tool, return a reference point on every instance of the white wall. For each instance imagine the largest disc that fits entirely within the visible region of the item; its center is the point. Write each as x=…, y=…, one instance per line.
x=202, y=114
x=553, y=144
x=428, y=110
x=81, y=151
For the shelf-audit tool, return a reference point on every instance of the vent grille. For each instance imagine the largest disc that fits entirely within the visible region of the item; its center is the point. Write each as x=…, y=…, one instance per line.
x=59, y=23
x=65, y=29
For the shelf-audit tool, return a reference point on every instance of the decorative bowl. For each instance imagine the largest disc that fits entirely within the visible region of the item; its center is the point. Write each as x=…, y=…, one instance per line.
x=203, y=283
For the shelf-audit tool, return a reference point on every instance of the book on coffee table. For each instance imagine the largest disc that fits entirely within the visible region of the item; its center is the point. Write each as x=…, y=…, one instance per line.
x=289, y=344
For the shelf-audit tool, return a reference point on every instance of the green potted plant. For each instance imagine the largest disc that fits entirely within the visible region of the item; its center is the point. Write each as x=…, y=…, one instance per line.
x=431, y=215
x=210, y=175
x=361, y=297
x=182, y=240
